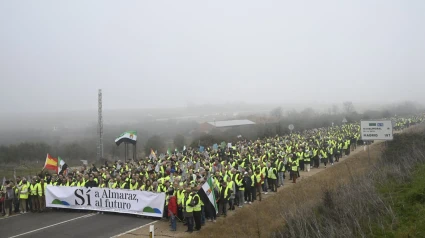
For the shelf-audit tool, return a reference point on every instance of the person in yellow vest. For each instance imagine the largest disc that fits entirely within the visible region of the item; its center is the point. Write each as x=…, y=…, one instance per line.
x=265, y=173
x=81, y=182
x=180, y=197
x=338, y=151
x=259, y=181
x=73, y=182
x=24, y=181
x=346, y=147
x=112, y=183
x=67, y=182
x=324, y=155
x=197, y=214
x=307, y=158
x=23, y=197
x=300, y=158
x=294, y=171
x=253, y=185
x=188, y=210
x=225, y=193
x=272, y=177
x=134, y=185
x=281, y=171
x=103, y=184
x=240, y=189
x=41, y=188
x=33, y=196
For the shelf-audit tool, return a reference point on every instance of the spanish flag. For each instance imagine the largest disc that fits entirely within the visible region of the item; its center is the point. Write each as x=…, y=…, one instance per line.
x=51, y=163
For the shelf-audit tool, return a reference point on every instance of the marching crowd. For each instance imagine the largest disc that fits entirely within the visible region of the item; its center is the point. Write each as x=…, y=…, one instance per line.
x=241, y=173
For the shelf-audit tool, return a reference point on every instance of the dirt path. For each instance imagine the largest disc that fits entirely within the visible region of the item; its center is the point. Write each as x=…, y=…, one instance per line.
x=162, y=228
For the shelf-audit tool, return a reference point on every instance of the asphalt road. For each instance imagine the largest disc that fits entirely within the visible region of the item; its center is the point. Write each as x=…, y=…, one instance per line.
x=69, y=224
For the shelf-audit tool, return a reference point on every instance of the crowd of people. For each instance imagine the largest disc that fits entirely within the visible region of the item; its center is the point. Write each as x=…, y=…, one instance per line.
x=241, y=173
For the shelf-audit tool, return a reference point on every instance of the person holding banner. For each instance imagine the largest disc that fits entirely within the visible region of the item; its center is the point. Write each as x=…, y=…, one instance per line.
x=34, y=196
x=42, y=194
x=91, y=183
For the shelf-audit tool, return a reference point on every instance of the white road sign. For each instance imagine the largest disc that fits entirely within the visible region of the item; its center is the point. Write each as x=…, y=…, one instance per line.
x=291, y=127
x=376, y=130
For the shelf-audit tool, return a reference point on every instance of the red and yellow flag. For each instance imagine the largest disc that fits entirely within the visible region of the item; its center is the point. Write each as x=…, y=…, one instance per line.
x=51, y=163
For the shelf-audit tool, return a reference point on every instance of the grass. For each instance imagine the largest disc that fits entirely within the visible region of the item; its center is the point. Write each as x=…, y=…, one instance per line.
x=408, y=202
x=263, y=219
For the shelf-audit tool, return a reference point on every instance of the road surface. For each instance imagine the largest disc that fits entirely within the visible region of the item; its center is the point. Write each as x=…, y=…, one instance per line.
x=69, y=224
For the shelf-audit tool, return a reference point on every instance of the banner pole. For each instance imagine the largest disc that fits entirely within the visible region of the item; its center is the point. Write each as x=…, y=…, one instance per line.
x=151, y=231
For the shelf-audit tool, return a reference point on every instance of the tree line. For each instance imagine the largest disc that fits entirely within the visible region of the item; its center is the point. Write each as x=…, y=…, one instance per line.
x=174, y=135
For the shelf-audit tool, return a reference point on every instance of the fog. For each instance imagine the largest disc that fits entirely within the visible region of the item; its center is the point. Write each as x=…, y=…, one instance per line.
x=164, y=54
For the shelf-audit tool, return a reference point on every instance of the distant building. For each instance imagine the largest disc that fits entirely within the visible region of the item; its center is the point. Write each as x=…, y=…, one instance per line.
x=224, y=125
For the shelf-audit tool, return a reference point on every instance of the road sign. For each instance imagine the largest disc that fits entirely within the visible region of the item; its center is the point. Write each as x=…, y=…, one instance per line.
x=376, y=130
x=291, y=127
x=344, y=120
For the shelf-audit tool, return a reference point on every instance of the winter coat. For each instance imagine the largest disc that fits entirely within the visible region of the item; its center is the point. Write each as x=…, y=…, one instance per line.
x=91, y=184
x=172, y=206
x=247, y=181
x=10, y=193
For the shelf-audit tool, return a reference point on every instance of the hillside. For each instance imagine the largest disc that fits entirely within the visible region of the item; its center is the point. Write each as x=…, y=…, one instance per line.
x=351, y=199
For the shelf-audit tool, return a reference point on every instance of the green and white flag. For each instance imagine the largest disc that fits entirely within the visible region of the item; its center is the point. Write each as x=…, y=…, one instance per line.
x=207, y=193
x=62, y=166
x=128, y=137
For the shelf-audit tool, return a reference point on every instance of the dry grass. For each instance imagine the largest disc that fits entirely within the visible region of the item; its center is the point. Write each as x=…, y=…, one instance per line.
x=268, y=218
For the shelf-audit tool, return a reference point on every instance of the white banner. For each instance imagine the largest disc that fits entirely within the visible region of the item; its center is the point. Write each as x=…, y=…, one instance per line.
x=105, y=199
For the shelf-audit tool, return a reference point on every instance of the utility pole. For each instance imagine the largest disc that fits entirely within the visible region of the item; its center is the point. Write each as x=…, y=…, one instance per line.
x=99, y=125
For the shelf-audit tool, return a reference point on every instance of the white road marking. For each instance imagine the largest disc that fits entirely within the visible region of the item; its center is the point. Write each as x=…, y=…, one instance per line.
x=13, y=216
x=42, y=228
x=133, y=229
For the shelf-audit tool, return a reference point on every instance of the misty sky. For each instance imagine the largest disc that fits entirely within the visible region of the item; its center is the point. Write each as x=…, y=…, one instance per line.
x=54, y=55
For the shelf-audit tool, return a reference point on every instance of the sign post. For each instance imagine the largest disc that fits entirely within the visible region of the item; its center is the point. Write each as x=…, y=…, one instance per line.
x=291, y=127
x=151, y=231
x=376, y=130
